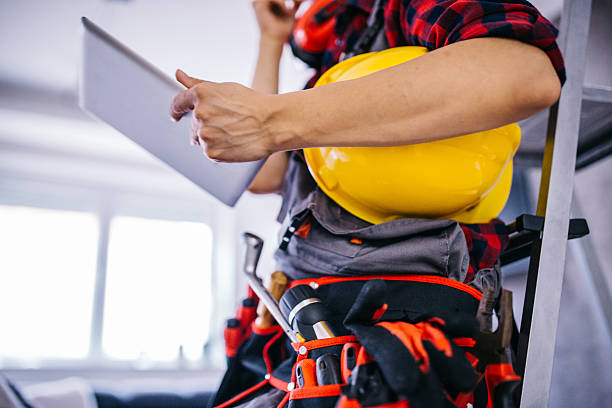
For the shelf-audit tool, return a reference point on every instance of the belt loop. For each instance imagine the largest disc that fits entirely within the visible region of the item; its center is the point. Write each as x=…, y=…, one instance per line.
x=296, y=223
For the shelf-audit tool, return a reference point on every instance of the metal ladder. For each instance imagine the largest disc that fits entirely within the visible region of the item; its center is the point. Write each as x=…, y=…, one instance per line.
x=536, y=342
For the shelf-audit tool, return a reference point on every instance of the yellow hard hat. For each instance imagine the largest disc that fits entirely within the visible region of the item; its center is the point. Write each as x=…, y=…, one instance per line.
x=465, y=178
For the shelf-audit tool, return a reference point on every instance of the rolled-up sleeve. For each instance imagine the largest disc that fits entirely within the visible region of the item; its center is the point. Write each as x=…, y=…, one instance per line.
x=437, y=23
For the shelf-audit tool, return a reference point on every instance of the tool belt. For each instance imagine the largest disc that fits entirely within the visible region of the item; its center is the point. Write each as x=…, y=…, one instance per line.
x=263, y=359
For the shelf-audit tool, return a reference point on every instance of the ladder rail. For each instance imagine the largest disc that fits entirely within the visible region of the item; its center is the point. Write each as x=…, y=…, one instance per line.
x=554, y=203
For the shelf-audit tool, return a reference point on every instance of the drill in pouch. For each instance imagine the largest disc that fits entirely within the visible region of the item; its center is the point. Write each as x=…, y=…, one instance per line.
x=306, y=313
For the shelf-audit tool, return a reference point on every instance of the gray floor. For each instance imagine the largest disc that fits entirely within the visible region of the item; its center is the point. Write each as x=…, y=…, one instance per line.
x=582, y=373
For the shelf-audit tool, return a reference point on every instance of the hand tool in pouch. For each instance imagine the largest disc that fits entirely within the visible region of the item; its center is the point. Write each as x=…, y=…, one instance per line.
x=348, y=359
x=305, y=373
x=493, y=351
x=233, y=336
x=278, y=286
x=328, y=370
x=254, y=246
x=366, y=384
x=305, y=313
x=247, y=313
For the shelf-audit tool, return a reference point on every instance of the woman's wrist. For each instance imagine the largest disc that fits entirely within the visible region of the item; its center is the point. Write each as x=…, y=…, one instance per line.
x=287, y=122
x=265, y=78
x=270, y=43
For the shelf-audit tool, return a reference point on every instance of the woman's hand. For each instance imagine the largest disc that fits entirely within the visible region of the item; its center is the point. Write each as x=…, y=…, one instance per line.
x=229, y=121
x=275, y=18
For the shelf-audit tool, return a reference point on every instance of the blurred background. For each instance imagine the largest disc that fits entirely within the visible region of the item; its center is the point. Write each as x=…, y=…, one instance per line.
x=118, y=271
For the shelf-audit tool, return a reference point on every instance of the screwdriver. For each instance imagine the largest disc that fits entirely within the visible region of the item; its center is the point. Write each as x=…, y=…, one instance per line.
x=254, y=246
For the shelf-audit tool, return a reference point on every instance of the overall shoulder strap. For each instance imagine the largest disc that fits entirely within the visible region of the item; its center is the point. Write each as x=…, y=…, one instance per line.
x=373, y=38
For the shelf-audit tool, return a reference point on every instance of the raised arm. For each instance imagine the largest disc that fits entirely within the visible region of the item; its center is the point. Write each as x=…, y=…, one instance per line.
x=275, y=22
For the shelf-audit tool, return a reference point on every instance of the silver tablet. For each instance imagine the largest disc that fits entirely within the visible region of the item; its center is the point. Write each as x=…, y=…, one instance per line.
x=127, y=92
x=9, y=396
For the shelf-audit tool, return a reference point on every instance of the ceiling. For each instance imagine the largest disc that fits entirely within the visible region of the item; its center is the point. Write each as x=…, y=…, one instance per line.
x=215, y=39
x=41, y=39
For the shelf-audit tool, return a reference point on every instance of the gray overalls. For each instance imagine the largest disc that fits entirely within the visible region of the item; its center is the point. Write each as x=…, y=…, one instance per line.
x=405, y=246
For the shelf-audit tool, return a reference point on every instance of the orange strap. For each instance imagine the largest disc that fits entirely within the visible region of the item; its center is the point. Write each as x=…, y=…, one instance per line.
x=278, y=383
x=331, y=390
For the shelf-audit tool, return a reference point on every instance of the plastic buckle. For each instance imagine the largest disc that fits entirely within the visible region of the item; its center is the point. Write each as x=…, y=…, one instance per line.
x=296, y=223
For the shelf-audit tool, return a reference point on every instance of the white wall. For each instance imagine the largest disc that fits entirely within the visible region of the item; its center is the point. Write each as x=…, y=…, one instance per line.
x=51, y=154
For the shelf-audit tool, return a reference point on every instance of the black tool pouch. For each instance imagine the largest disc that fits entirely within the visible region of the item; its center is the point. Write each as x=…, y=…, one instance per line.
x=410, y=296
x=248, y=372
x=266, y=361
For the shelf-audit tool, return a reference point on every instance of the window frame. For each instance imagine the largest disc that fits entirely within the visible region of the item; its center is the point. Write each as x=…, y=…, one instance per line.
x=106, y=202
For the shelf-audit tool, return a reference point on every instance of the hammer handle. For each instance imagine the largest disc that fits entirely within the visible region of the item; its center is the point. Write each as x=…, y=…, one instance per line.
x=278, y=286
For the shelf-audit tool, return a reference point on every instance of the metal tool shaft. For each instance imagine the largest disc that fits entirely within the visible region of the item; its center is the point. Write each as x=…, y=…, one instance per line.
x=254, y=246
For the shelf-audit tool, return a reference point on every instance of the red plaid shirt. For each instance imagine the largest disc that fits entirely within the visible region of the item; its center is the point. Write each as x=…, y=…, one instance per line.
x=485, y=243
x=434, y=24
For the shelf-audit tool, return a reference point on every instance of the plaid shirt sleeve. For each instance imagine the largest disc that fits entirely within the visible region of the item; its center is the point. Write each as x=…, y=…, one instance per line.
x=436, y=23
x=485, y=244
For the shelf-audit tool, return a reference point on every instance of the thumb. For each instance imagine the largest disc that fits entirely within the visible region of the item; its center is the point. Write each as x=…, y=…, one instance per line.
x=186, y=80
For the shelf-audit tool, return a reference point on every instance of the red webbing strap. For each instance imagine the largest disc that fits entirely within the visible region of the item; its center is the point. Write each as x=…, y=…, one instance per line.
x=344, y=402
x=320, y=391
x=278, y=383
x=407, y=278
x=320, y=343
x=283, y=401
x=266, y=350
x=242, y=394
x=398, y=404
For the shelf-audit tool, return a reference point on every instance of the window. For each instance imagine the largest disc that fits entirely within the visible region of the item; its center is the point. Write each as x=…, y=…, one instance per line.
x=66, y=292
x=158, y=295
x=47, y=272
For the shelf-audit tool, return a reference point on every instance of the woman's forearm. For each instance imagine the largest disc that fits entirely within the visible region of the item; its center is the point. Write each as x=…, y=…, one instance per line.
x=265, y=78
x=462, y=88
x=270, y=177
x=458, y=89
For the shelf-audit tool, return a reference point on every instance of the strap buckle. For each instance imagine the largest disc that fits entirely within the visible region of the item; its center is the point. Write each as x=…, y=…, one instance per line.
x=296, y=223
